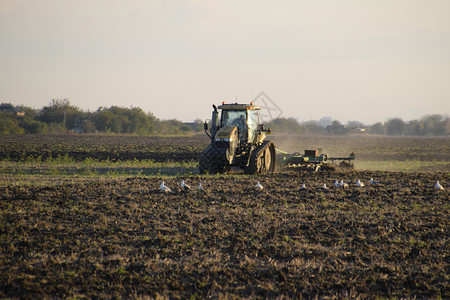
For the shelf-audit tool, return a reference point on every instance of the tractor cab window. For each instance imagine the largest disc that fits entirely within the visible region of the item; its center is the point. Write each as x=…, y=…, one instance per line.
x=253, y=121
x=236, y=118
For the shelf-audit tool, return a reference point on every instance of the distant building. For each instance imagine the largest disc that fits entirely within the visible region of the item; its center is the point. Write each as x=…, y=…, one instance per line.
x=8, y=108
x=358, y=130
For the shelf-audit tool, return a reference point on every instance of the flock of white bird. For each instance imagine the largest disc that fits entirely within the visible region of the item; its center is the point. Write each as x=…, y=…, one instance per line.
x=164, y=188
x=337, y=184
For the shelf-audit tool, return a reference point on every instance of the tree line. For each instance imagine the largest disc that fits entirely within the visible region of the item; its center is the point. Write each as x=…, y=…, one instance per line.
x=430, y=125
x=61, y=116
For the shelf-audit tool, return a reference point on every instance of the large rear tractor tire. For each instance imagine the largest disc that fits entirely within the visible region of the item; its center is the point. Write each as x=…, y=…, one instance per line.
x=213, y=160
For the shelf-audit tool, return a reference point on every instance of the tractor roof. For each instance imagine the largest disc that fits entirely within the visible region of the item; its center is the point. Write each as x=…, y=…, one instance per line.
x=236, y=106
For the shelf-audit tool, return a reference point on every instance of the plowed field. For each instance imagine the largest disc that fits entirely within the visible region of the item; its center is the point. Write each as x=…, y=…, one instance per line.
x=124, y=238
x=372, y=152
x=113, y=148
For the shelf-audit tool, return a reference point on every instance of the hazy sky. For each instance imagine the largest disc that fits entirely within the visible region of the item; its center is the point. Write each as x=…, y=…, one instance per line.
x=351, y=60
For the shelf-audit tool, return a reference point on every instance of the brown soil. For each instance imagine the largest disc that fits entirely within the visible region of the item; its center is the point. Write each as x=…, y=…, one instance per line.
x=112, y=148
x=125, y=239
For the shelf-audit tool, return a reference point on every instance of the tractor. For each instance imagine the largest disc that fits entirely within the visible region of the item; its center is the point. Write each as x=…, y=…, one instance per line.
x=238, y=142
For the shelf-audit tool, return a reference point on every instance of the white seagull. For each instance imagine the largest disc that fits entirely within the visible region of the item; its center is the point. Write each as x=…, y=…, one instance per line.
x=325, y=186
x=184, y=185
x=303, y=186
x=259, y=186
x=200, y=187
x=359, y=183
x=164, y=187
x=336, y=184
x=438, y=186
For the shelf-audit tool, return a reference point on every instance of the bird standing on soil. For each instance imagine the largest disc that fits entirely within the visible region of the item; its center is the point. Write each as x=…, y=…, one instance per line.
x=164, y=187
x=336, y=184
x=200, y=187
x=359, y=183
x=185, y=185
x=259, y=186
x=438, y=186
x=343, y=184
x=303, y=186
x=373, y=181
x=325, y=186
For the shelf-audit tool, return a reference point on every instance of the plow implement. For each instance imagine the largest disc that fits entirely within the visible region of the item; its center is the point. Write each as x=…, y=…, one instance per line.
x=312, y=160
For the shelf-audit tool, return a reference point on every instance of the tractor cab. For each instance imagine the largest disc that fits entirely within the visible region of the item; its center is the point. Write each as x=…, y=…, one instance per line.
x=244, y=117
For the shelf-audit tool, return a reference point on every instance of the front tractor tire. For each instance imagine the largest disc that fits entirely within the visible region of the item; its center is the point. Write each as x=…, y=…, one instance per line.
x=213, y=160
x=262, y=160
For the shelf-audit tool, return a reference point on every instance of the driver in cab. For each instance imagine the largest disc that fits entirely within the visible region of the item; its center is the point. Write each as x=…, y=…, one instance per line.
x=242, y=126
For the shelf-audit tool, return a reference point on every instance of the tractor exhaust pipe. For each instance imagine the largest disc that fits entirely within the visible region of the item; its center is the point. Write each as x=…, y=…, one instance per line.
x=214, y=122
